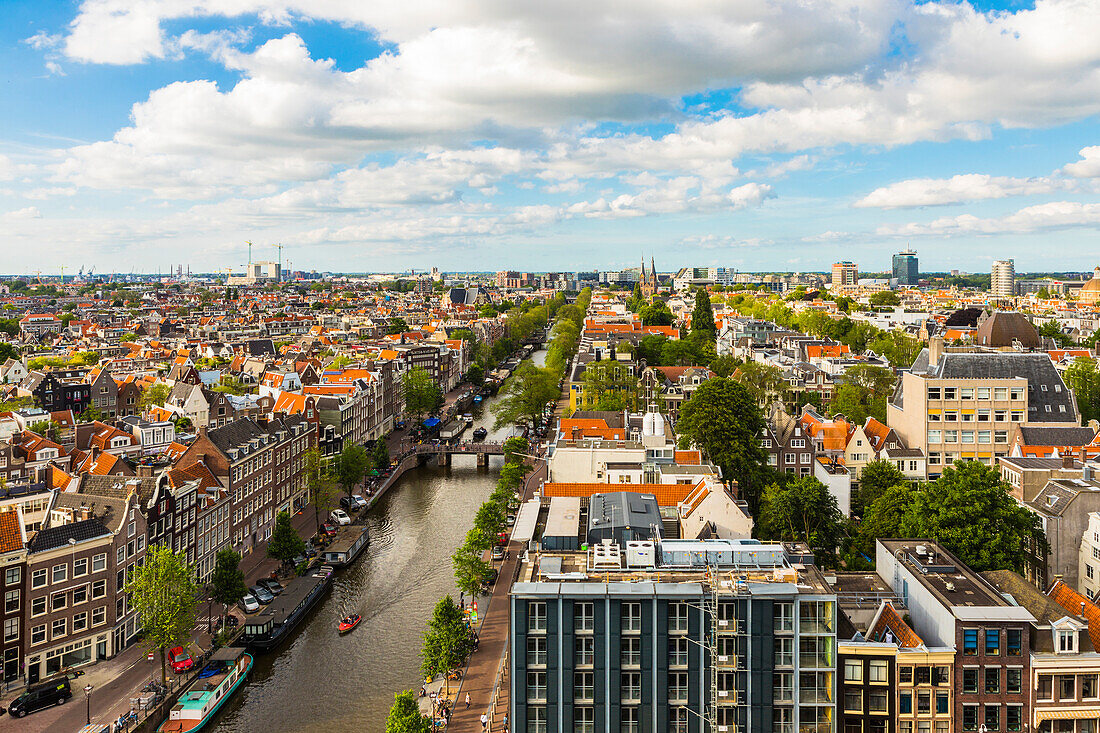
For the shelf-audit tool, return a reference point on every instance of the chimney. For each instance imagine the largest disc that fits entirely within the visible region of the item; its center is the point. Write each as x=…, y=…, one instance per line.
x=935, y=350
x=145, y=471
x=1067, y=460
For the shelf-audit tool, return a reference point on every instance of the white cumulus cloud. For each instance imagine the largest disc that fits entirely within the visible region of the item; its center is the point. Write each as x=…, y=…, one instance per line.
x=954, y=190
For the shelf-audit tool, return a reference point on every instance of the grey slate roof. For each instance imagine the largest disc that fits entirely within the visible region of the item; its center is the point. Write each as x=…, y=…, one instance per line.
x=1047, y=435
x=1037, y=369
x=53, y=537
x=239, y=432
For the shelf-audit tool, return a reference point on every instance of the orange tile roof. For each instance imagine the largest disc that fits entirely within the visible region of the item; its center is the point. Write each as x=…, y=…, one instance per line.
x=889, y=620
x=1076, y=604
x=11, y=534
x=687, y=457
x=667, y=494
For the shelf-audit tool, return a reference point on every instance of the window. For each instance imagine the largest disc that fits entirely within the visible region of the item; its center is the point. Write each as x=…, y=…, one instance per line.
x=678, y=652
x=628, y=720
x=1017, y=393
x=933, y=393
x=59, y=601
x=950, y=415
x=967, y=436
x=935, y=436
x=59, y=628
x=11, y=629
x=853, y=700
x=536, y=651
x=583, y=651
x=970, y=680
x=784, y=652
x=99, y=589
x=12, y=576
x=992, y=717
x=1067, y=687
x=11, y=601
x=536, y=686
x=983, y=393
x=1067, y=641
x=80, y=595
x=38, y=578
x=80, y=621
x=677, y=618
x=677, y=687
x=536, y=615
x=905, y=675
x=1000, y=436
x=583, y=689
x=80, y=567
x=924, y=702
x=60, y=573
x=783, y=687
x=970, y=642
x=949, y=393
x=877, y=701
x=1014, y=680
x=1014, y=717
x=678, y=720
x=631, y=651
x=966, y=393
x=942, y=705
x=1015, y=642
x=984, y=436
x=992, y=642
x=950, y=436
x=1045, y=689
x=583, y=617
x=1088, y=687
x=38, y=634
x=905, y=703
x=970, y=717
x=992, y=680
x=879, y=672
x=99, y=616
x=631, y=688
x=99, y=562
x=783, y=617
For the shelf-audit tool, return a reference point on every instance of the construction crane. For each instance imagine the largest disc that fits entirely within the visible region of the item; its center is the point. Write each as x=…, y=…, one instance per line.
x=280, y=248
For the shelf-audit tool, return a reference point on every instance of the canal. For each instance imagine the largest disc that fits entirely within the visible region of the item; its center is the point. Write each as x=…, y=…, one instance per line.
x=319, y=681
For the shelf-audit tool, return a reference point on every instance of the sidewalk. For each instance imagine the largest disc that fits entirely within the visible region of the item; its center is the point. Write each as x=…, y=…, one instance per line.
x=484, y=665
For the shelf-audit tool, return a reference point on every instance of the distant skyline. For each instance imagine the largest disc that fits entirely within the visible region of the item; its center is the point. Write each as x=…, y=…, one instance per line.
x=765, y=135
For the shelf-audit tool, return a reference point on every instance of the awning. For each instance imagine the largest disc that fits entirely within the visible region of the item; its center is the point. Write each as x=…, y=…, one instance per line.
x=431, y=422
x=1042, y=714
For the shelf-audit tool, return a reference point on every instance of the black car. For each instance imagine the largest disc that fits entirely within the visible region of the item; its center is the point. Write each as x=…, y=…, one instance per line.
x=41, y=695
x=273, y=586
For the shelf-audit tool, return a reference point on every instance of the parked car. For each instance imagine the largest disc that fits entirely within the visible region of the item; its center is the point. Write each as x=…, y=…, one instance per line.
x=179, y=659
x=346, y=503
x=263, y=595
x=498, y=552
x=359, y=501
x=272, y=585
x=492, y=579
x=510, y=520
x=249, y=603
x=328, y=529
x=41, y=695
x=340, y=517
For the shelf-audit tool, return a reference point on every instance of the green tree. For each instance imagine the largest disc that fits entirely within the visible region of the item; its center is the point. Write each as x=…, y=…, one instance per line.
x=474, y=375
x=7, y=351
x=970, y=511
x=380, y=455
x=726, y=365
x=45, y=428
x=319, y=485
x=227, y=581
x=351, y=465
x=513, y=446
x=1043, y=294
x=884, y=298
x=610, y=386
x=155, y=395
x=702, y=315
x=525, y=395
x=762, y=380
x=1083, y=378
x=397, y=325
x=446, y=643
x=884, y=516
x=471, y=572
x=405, y=715
x=84, y=358
x=656, y=314
x=1053, y=330
x=802, y=510
x=874, y=480
x=91, y=413
x=724, y=420
x=488, y=523
x=422, y=395
x=163, y=592
x=285, y=543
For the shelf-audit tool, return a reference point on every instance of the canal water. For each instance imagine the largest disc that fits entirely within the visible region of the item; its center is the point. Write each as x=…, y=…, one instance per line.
x=320, y=681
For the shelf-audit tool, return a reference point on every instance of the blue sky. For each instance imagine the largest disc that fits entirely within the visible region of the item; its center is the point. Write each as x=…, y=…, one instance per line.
x=761, y=135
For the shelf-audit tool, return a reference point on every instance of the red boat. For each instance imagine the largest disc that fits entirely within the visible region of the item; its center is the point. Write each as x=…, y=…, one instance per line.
x=348, y=623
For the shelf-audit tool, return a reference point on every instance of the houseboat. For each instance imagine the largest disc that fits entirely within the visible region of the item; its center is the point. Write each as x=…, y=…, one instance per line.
x=349, y=542
x=200, y=701
x=264, y=631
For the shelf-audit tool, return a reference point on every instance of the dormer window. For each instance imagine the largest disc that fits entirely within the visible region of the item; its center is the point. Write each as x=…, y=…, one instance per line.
x=1066, y=641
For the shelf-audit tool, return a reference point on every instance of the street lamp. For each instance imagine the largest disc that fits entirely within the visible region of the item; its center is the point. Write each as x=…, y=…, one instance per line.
x=88, y=697
x=209, y=616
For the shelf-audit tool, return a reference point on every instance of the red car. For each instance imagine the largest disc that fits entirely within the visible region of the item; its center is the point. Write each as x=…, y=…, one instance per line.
x=328, y=529
x=180, y=660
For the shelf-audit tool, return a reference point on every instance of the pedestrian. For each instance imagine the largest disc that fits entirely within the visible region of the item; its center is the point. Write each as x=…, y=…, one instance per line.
x=484, y=721
x=467, y=700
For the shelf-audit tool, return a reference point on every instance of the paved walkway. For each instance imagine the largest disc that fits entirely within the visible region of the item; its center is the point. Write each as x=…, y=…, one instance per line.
x=484, y=666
